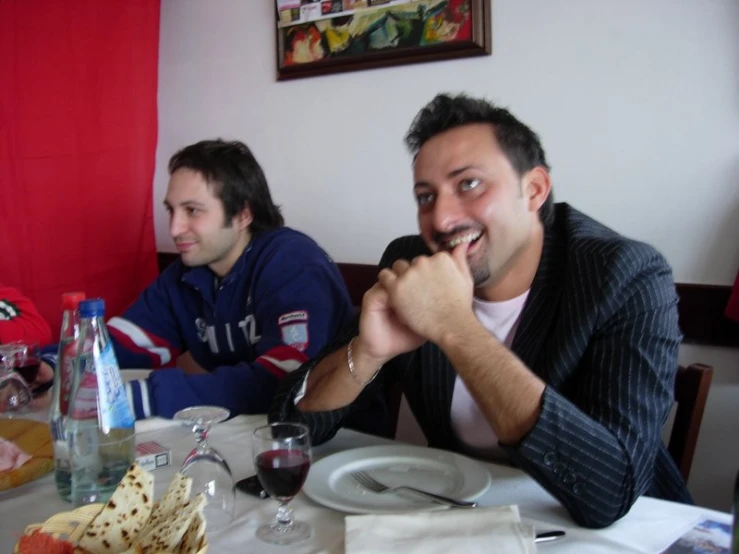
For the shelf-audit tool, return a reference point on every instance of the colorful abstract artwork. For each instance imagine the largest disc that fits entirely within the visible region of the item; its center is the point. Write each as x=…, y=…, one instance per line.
x=326, y=36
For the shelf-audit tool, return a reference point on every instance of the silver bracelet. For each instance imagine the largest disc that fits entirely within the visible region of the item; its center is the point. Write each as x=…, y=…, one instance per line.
x=350, y=363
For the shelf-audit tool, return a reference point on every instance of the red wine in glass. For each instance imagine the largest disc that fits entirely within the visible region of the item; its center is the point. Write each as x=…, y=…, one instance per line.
x=282, y=456
x=282, y=472
x=29, y=369
x=21, y=357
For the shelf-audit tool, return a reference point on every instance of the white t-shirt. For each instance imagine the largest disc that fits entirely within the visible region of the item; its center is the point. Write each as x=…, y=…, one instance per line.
x=501, y=320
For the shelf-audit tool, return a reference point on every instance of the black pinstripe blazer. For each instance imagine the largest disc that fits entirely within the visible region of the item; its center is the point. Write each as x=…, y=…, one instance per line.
x=600, y=328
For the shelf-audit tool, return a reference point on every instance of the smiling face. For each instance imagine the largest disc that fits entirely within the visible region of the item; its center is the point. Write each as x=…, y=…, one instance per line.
x=198, y=225
x=467, y=191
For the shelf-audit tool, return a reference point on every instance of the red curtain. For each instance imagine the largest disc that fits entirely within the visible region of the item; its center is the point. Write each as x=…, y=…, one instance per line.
x=78, y=131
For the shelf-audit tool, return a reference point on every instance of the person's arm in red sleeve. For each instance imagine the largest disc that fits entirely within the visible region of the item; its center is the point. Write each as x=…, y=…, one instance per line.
x=20, y=320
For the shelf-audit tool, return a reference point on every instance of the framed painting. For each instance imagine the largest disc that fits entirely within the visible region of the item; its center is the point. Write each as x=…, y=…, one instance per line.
x=320, y=37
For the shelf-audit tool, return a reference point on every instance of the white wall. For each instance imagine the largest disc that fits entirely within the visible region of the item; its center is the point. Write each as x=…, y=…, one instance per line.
x=637, y=104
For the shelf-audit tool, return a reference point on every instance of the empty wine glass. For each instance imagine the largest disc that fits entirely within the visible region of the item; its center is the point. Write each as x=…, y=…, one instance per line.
x=207, y=468
x=15, y=395
x=282, y=457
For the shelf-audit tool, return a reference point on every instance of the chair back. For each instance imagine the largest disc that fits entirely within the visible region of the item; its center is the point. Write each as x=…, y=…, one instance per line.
x=691, y=392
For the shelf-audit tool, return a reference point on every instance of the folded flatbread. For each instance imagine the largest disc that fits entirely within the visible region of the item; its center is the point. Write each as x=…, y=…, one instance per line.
x=123, y=516
x=166, y=536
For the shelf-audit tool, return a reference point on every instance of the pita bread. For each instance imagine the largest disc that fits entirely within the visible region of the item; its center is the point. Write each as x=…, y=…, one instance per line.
x=167, y=535
x=176, y=495
x=123, y=516
x=190, y=543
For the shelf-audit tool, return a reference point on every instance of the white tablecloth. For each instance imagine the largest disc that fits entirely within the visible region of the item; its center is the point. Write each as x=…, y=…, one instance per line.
x=650, y=526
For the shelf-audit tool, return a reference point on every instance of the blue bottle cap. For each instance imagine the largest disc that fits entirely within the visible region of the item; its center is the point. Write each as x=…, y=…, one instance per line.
x=94, y=307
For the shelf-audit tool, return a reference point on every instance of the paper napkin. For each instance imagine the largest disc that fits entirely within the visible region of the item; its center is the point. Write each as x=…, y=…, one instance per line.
x=479, y=530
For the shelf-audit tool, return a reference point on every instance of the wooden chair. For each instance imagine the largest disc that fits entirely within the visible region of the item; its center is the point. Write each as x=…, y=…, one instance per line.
x=691, y=392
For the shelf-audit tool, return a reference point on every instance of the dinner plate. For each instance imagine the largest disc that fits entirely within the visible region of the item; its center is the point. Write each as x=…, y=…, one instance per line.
x=330, y=482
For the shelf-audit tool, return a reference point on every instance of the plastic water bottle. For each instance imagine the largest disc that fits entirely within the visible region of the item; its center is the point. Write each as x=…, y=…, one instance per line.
x=63, y=378
x=100, y=425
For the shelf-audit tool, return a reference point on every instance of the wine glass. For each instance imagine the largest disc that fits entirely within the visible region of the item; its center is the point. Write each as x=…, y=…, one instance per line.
x=23, y=358
x=207, y=468
x=27, y=360
x=15, y=395
x=282, y=457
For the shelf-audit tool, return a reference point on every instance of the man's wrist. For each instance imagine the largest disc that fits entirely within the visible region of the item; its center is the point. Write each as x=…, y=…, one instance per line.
x=365, y=366
x=458, y=329
x=454, y=328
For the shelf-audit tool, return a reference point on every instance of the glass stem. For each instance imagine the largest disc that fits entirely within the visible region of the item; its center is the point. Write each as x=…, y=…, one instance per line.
x=201, y=437
x=284, y=518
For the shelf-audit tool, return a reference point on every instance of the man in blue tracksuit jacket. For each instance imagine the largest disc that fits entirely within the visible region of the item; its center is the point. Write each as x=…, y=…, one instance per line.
x=249, y=299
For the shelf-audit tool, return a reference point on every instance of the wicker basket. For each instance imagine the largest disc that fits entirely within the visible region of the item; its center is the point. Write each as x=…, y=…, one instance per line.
x=70, y=526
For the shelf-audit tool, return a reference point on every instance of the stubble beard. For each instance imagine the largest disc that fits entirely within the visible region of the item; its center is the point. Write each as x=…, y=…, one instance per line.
x=480, y=273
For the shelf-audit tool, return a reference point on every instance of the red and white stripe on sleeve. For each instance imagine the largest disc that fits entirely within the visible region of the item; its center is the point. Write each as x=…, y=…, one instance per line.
x=132, y=337
x=282, y=360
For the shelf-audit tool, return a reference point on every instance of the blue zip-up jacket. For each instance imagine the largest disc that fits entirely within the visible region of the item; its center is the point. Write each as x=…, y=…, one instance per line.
x=282, y=301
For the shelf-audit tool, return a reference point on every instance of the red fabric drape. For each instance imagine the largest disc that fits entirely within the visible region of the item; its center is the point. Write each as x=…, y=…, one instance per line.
x=732, y=309
x=78, y=130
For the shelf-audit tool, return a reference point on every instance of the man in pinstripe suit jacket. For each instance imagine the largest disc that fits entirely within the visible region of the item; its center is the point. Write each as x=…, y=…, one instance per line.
x=575, y=388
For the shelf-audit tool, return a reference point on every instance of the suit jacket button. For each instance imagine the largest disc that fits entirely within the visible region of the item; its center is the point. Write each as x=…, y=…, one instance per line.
x=568, y=478
x=550, y=458
x=578, y=488
x=559, y=468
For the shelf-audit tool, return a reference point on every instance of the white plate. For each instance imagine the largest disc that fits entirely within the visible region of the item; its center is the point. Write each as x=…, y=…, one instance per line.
x=330, y=483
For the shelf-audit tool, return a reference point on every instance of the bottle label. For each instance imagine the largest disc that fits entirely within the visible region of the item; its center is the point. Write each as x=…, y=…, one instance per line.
x=115, y=413
x=85, y=404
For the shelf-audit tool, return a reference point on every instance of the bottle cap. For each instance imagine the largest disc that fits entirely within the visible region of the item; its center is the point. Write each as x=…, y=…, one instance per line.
x=95, y=307
x=71, y=300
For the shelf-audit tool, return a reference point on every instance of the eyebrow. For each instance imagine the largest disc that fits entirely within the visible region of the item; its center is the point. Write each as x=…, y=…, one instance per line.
x=185, y=203
x=450, y=175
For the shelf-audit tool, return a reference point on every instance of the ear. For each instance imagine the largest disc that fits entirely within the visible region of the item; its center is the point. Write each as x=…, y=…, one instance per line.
x=536, y=188
x=243, y=219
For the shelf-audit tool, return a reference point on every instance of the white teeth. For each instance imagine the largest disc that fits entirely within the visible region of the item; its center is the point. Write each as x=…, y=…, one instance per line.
x=464, y=238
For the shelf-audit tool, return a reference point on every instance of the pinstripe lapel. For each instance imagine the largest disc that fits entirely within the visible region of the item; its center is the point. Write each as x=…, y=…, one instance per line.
x=543, y=301
x=438, y=388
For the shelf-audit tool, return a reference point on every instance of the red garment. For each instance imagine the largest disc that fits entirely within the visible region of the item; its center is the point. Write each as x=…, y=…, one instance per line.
x=78, y=133
x=20, y=320
x=732, y=308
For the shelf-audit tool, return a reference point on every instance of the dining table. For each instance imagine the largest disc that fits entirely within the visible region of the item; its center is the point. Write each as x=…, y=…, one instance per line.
x=649, y=527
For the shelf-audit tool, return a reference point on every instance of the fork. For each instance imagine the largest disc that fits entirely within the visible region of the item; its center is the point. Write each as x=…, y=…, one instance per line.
x=372, y=484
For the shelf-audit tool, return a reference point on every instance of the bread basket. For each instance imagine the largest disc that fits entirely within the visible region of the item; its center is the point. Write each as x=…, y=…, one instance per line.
x=69, y=526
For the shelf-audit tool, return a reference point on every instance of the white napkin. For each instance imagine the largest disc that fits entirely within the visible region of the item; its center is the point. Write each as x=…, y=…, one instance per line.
x=155, y=424
x=480, y=530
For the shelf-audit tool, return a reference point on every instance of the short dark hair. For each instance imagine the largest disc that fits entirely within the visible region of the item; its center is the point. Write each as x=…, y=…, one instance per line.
x=518, y=142
x=236, y=177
